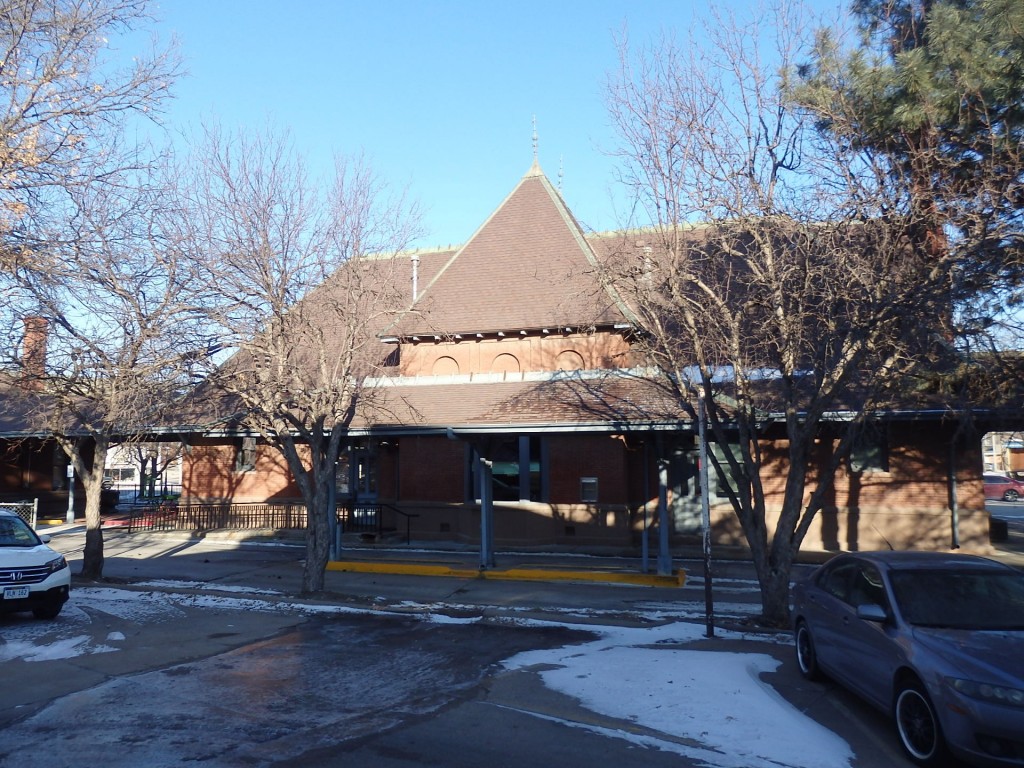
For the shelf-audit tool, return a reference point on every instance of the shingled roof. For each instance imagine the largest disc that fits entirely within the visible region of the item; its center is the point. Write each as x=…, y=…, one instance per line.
x=528, y=267
x=605, y=400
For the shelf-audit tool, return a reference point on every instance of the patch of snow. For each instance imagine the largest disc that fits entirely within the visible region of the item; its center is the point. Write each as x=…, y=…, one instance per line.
x=173, y=584
x=714, y=698
x=68, y=648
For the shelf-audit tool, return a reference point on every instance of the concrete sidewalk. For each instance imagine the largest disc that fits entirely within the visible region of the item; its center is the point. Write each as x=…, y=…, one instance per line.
x=551, y=586
x=179, y=555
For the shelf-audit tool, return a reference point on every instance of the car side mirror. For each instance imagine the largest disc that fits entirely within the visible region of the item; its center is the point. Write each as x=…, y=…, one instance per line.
x=45, y=538
x=871, y=612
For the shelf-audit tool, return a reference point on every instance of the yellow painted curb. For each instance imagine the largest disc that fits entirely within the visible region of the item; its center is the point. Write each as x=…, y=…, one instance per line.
x=405, y=569
x=512, y=574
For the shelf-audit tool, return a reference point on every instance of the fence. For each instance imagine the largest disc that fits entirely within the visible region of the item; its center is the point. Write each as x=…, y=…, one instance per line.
x=27, y=510
x=130, y=494
x=172, y=516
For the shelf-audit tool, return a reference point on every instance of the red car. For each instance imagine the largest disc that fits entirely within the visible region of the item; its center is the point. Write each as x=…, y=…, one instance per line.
x=1003, y=487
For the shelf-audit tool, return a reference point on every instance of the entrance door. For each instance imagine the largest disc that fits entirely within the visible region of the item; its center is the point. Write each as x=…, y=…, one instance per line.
x=684, y=491
x=364, y=481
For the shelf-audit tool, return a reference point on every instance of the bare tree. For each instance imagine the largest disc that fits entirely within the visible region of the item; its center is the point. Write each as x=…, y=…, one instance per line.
x=120, y=307
x=304, y=280
x=153, y=459
x=65, y=97
x=775, y=280
x=72, y=195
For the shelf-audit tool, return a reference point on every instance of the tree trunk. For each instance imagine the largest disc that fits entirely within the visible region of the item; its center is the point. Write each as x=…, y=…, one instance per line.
x=91, y=474
x=92, y=556
x=775, y=595
x=318, y=531
x=315, y=485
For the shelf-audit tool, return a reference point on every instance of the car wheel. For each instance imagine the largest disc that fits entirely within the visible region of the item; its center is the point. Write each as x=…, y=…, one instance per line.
x=48, y=611
x=806, y=657
x=1011, y=495
x=918, y=727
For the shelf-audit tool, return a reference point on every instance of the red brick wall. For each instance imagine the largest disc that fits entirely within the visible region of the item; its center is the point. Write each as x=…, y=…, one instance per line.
x=575, y=457
x=208, y=473
x=534, y=353
x=906, y=507
x=917, y=475
x=431, y=469
x=27, y=466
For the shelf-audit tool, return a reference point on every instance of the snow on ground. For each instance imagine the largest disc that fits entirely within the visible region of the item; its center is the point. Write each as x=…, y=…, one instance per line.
x=172, y=584
x=66, y=648
x=710, y=706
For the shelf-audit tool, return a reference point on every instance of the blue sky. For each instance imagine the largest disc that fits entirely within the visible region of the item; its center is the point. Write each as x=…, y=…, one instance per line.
x=439, y=94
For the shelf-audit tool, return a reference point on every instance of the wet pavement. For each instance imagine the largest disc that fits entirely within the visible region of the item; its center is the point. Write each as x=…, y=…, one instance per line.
x=354, y=675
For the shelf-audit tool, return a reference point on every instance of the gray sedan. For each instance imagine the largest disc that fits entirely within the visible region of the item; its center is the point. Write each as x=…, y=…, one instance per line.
x=935, y=640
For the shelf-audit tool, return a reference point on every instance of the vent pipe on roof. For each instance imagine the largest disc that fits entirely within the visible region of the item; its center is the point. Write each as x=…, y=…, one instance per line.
x=415, y=276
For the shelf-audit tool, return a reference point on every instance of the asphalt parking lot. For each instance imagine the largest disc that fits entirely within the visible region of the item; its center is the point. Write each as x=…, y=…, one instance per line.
x=191, y=570
x=268, y=572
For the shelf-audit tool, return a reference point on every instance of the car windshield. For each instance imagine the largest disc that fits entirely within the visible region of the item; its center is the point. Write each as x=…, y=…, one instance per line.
x=961, y=599
x=15, y=532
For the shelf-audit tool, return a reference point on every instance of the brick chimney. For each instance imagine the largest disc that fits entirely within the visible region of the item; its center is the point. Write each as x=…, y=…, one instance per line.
x=33, y=356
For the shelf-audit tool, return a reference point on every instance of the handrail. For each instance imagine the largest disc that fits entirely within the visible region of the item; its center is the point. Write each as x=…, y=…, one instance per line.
x=407, y=515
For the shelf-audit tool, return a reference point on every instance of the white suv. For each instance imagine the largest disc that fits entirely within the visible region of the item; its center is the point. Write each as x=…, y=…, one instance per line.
x=33, y=577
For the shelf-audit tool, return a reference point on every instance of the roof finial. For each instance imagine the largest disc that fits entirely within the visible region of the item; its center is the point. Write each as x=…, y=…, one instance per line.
x=535, y=168
x=535, y=139
x=561, y=172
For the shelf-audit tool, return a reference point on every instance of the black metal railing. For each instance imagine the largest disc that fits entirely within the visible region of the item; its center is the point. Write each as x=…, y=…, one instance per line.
x=408, y=518
x=353, y=517
x=151, y=494
x=172, y=516
x=369, y=519
x=359, y=517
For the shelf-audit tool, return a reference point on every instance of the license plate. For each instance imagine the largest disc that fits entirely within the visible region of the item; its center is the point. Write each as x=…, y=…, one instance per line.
x=15, y=593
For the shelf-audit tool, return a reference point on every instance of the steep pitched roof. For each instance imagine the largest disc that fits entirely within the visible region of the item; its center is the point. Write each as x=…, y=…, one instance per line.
x=528, y=267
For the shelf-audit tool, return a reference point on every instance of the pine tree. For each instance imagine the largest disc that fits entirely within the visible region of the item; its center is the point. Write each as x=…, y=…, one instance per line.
x=936, y=88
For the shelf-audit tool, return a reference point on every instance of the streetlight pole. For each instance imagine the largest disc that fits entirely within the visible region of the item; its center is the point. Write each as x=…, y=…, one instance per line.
x=705, y=514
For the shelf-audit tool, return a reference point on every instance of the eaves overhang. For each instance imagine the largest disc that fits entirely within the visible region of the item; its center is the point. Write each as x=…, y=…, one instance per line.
x=25, y=434
x=553, y=329
x=893, y=414
x=430, y=430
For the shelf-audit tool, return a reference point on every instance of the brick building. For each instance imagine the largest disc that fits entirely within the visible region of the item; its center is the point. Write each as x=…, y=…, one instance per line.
x=515, y=354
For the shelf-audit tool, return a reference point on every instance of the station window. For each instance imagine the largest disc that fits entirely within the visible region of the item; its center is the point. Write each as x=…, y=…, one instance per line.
x=517, y=469
x=588, y=490
x=245, y=455
x=870, y=451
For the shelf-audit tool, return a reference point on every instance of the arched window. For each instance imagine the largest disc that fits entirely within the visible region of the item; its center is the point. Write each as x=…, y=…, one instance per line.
x=445, y=366
x=569, y=360
x=505, y=364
